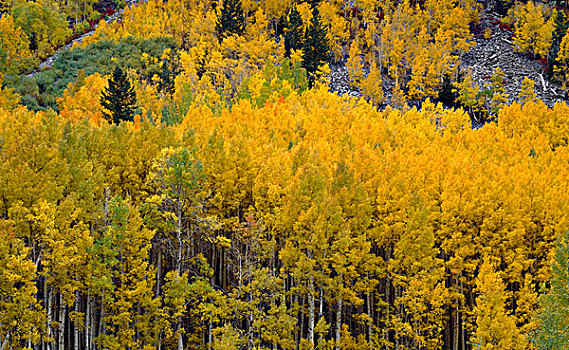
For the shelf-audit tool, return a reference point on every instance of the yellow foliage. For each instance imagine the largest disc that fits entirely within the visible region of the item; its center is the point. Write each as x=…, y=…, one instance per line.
x=8, y=98
x=15, y=44
x=562, y=69
x=527, y=92
x=372, y=86
x=533, y=28
x=354, y=64
x=81, y=100
x=336, y=25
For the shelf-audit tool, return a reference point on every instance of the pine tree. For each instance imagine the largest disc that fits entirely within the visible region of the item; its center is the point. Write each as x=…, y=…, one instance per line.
x=293, y=31
x=33, y=42
x=231, y=19
x=119, y=98
x=166, y=83
x=560, y=31
x=448, y=94
x=315, y=46
x=553, y=317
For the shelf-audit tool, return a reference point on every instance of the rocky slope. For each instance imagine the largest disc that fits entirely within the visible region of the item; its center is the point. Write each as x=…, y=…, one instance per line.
x=488, y=54
x=482, y=59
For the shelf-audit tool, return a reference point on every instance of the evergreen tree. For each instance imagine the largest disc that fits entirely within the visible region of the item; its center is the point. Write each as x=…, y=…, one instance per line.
x=553, y=317
x=293, y=31
x=166, y=83
x=33, y=42
x=119, y=98
x=315, y=46
x=231, y=20
x=559, y=32
x=448, y=93
x=313, y=3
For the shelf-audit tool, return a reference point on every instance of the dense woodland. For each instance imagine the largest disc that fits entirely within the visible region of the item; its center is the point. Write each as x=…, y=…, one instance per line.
x=183, y=178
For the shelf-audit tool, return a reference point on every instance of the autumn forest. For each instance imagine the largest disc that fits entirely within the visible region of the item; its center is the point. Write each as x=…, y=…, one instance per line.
x=185, y=174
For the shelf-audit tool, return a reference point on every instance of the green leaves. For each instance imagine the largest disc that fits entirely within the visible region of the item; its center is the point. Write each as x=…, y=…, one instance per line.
x=553, y=316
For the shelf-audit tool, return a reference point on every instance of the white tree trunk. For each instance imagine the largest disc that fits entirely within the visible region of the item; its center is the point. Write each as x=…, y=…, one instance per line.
x=338, y=322
x=75, y=328
x=49, y=316
x=88, y=322
x=311, y=312
x=62, y=310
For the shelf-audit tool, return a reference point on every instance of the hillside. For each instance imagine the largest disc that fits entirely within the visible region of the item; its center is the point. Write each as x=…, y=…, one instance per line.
x=283, y=175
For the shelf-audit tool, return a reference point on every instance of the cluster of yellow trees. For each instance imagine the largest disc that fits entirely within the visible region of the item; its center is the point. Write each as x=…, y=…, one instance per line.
x=32, y=30
x=415, y=43
x=313, y=220
x=542, y=31
x=265, y=215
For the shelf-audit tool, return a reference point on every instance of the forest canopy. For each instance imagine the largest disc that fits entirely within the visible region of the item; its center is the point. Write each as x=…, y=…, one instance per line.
x=183, y=177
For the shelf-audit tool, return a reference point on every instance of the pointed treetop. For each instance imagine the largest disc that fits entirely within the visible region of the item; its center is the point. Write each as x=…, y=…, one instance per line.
x=118, y=99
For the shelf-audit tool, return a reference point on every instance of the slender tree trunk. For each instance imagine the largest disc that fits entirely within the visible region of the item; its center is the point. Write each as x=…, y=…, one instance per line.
x=180, y=239
x=158, y=268
x=456, y=330
x=293, y=302
x=180, y=339
x=251, y=333
x=75, y=328
x=321, y=312
x=102, y=316
x=209, y=336
x=62, y=311
x=463, y=335
x=339, y=321
x=49, y=316
x=302, y=317
x=370, y=314
x=4, y=344
x=311, y=312
x=88, y=321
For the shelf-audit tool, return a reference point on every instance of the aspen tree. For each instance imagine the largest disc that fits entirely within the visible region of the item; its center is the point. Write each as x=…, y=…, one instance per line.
x=372, y=85
x=499, y=95
x=563, y=61
x=553, y=316
x=21, y=318
x=527, y=92
x=354, y=64
x=495, y=327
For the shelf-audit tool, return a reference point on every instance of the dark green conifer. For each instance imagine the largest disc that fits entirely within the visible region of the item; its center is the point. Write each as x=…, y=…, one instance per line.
x=33, y=42
x=313, y=3
x=169, y=69
x=166, y=82
x=448, y=94
x=293, y=31
x=315, y=46
x=231, y=19
x=559, y=32
x=119, y=98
